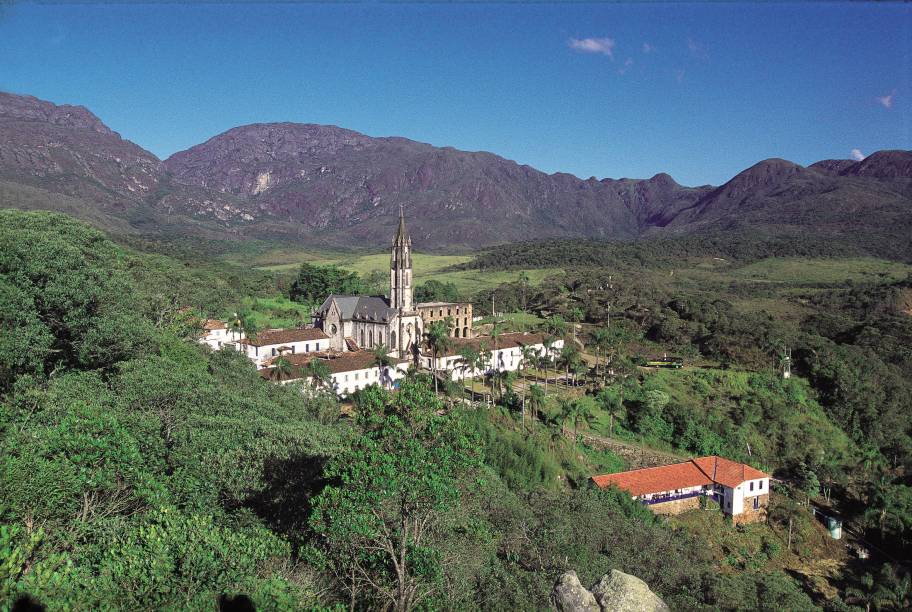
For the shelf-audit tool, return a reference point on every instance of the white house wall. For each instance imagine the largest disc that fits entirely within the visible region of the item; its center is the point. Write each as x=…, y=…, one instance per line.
x=261, y=354
x=508, y=359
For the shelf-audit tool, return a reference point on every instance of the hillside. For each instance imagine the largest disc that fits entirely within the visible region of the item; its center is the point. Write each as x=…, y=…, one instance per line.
x=327, y=185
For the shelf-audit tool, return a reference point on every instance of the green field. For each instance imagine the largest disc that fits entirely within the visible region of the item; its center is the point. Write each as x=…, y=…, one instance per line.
x=812, y=271
x=425, y=266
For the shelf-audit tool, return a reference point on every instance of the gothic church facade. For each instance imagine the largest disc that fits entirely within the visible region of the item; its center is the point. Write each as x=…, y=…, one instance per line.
x=366, y=322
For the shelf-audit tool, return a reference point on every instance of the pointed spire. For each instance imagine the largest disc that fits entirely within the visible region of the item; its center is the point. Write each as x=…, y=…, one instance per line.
x=401, y=233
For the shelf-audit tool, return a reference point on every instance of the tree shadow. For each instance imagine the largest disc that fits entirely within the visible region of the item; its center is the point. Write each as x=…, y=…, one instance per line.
x=285, y=504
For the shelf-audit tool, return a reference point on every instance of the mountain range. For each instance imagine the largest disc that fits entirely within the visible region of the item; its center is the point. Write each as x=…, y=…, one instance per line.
x=316, y=184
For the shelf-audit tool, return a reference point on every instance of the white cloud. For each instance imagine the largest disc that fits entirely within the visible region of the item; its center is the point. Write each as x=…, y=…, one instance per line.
x=647, y=48
x=887, y=100
x=857, y=155
x=605, y=46
x=627, y=64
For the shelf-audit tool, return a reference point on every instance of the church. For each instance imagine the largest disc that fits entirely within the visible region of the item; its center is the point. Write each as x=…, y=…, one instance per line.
x=355, y=322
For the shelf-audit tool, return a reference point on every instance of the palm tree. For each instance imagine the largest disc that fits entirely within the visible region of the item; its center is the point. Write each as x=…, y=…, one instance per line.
x=600, y=338
x=536, y=400
x=469, y=361
x=528, y=356
x=281, y=369
x=868, y=593
x=483, y=356
x=318, y=372
x=612, y=403
x=235, y=326
x=582, y=413
x=382, y=359
x=566, y=411
x=569, y=357
x=437, y=336
x=548, y=343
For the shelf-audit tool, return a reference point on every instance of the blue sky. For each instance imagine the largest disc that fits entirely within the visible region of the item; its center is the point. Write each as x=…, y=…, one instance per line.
x=700, y=91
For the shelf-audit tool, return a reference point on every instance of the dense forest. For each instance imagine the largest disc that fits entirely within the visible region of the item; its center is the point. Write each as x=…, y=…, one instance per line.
x=141, y=470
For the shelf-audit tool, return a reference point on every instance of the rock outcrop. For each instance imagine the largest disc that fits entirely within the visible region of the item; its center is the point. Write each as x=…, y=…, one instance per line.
x=614, y=592
x=571, y=596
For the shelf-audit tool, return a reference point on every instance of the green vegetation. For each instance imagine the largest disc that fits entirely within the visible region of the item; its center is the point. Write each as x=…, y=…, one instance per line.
x=139, y=469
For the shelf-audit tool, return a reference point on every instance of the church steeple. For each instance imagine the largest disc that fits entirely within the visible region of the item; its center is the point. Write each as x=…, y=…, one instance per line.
x=401, y=268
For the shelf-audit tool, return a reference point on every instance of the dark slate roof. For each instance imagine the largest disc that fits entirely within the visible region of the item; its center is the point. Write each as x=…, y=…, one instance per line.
x=360, y=308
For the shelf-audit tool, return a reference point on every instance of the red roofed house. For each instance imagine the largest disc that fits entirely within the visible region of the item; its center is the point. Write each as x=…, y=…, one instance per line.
x=215, y=334
x=274, y=342
x=741, y=491
x=349, y=371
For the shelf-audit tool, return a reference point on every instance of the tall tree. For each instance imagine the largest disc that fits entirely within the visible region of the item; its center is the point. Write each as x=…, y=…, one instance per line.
x=376, y=523
x=281, y=369
x=318, y=373
x=437, y=337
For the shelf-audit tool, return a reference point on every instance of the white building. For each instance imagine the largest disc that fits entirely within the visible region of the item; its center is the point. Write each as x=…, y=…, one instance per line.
x=350, y=371
x=507, y=357
x=274, y=342
x=216, y=334
x=741, y=491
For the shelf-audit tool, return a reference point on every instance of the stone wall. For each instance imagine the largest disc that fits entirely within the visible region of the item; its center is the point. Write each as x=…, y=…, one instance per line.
x=677, y=506
x=750, y=515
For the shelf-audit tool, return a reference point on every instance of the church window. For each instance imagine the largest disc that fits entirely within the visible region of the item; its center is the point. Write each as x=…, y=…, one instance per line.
x=393, y=339
x=362, y=338
x=370, y=338
x=449, y=312
x=379, y=337
x=465, y=332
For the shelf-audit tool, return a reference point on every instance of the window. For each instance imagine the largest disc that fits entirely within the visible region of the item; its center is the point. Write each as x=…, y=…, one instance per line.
x=761, y=485
x=752, y=486
x=307, y=348
x=273, y=352
x=756, y=503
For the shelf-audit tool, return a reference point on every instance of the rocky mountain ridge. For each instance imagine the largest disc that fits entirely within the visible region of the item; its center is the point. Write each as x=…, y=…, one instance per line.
x=325, y=183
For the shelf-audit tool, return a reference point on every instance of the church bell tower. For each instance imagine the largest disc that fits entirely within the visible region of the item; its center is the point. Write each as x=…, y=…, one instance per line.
x=401, y=268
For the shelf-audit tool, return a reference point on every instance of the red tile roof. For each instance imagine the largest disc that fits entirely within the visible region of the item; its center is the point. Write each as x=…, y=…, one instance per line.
x=212, y=324
x=727, y=472
x=693, y=473
x=282, y=336
x=336, y=362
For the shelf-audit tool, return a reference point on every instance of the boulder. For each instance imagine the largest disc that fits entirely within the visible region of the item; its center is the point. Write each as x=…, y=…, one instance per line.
x=620, y=592
x=614, y=592
x=571, y=596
